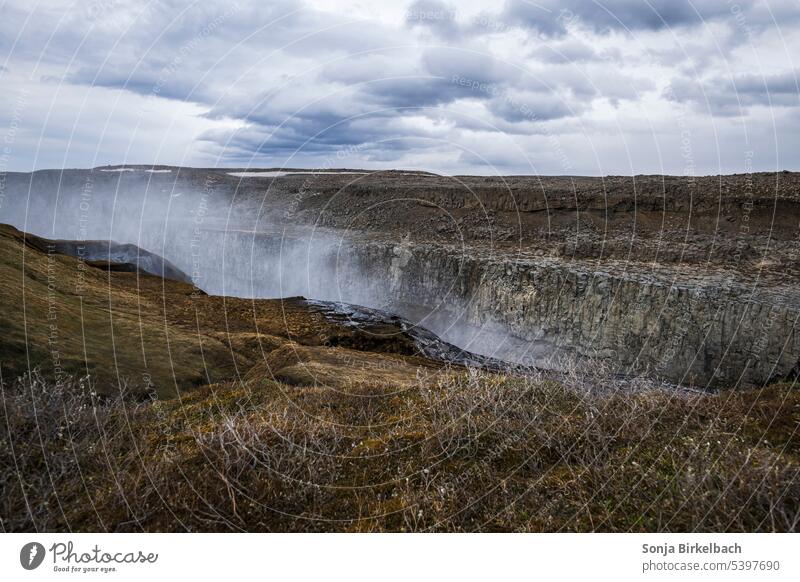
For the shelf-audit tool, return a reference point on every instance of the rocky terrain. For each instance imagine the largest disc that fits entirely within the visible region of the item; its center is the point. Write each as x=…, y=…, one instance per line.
x=692, y=280
x=135, y=400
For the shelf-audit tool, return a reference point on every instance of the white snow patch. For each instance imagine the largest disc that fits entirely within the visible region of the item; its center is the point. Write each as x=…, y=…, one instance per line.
x=279, y=173
x=136, y=170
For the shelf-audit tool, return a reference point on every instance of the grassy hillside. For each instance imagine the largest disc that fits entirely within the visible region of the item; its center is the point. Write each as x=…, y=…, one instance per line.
x=136, y=331
x=68, y=318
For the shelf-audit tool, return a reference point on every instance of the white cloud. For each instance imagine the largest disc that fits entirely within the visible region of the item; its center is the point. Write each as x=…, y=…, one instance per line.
x=450, y=87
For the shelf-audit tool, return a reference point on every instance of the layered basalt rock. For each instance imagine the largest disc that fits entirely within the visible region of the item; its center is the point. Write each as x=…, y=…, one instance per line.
x=711, y=327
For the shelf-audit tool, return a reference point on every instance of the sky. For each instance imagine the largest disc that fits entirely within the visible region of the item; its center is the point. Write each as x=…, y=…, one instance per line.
x=616, y=87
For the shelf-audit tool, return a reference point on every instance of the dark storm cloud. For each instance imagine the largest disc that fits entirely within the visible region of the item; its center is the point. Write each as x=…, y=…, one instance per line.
x=193, y=51
x=553, y=17
x=376, y=137
x=732, y=96
x=532, y=107
x=468, y=62
x=220, y=58
x=362, y=100
x=388, y=83
x=413, y=92
x=378, y=125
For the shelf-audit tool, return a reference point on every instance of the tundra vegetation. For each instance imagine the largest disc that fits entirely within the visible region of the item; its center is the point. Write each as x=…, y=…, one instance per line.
x=454, y=451
x=133, y=402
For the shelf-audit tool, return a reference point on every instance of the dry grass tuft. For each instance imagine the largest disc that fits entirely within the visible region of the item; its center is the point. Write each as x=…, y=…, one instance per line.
x=454, y=452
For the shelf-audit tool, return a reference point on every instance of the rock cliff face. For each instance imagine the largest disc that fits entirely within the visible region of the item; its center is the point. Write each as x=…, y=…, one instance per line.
x=697, y=328
x=111, y=255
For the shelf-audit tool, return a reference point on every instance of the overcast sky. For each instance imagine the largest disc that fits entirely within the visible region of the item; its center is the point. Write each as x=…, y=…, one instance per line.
x=552, y=87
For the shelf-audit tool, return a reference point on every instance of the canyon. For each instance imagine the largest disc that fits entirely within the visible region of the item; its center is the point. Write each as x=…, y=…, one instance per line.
x=691, y=280
x=189, y=350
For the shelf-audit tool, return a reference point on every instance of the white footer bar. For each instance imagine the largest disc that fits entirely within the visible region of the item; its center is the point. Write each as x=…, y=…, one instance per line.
x=401, y=557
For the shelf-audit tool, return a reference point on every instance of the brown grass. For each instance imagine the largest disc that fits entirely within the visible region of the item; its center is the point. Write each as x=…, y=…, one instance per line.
x=454, y=451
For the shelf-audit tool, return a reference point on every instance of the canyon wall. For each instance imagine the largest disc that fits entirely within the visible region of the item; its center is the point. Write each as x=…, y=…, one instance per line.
x=702, y=327
x=705, y=329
